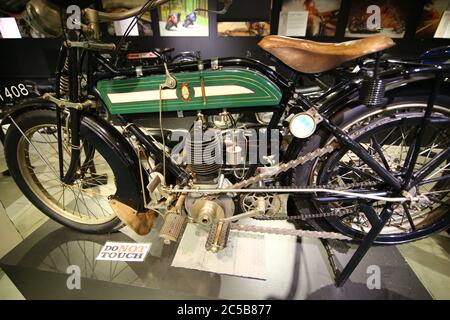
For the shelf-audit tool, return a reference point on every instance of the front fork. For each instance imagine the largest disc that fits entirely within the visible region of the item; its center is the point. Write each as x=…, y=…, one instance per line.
x=75, y=122
x=75, y=146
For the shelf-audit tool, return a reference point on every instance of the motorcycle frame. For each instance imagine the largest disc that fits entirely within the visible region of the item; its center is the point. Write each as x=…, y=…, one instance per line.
x=327, y=104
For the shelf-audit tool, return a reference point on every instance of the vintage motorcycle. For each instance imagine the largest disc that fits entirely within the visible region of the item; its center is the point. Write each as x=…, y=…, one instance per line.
x=366, y=159
x=173, y=20
x=190, y=19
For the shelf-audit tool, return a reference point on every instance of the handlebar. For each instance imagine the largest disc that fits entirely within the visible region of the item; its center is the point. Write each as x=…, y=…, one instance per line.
x=115, y=16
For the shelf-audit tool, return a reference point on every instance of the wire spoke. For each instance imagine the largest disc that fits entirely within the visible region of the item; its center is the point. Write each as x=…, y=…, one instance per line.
x=409, y=217
x=377, y=148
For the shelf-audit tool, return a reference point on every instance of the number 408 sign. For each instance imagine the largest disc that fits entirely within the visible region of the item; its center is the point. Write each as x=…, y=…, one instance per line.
x=13, y=92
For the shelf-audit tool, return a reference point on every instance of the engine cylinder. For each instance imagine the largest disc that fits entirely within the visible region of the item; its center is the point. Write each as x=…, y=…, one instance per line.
x=204, y=154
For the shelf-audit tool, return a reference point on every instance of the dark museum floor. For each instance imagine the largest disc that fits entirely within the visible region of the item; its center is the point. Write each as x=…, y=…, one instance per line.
x=37, y=251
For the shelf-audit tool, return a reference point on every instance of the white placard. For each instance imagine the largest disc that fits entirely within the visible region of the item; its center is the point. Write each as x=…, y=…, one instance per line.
x=244, y=255
x=121, y=26
x=297, y=22
x=9, y=28
x=124, y=251
x=443, y=30
x=293, y=23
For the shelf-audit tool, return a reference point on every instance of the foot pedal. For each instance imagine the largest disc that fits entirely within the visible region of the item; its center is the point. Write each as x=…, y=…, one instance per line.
x=172, y=228
x=218, y=236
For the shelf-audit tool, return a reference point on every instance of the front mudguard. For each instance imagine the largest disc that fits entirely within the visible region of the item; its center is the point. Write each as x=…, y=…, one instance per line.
x=128, y=178
x=104, y=137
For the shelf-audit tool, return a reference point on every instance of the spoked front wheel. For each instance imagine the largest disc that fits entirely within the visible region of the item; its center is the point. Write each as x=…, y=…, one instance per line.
x=33, y=160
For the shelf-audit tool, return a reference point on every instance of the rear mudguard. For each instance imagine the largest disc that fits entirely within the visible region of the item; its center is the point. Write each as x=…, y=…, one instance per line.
x=396, y=86
x=396, y=89
x=108, y=140
x=23, y=106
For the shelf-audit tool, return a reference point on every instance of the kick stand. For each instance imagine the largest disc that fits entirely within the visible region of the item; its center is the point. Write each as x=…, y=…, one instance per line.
x=377, y=223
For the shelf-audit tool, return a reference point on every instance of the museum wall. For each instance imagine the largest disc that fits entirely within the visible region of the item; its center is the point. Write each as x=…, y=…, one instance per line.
x=36, y=58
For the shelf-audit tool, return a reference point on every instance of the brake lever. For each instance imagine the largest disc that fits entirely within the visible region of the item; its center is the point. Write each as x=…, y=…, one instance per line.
x=170, y=82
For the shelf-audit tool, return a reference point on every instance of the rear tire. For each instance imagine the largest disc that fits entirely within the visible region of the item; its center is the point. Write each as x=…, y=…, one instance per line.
x=348, y=120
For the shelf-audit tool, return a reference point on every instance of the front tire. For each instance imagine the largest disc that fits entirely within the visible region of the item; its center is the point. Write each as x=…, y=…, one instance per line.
x=34, y=165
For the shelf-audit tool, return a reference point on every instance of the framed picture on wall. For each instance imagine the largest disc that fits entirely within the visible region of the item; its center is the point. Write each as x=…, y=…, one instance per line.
x=243, y=29
x=9, y=28
x=372, y=17
x=118, y=28
x=250, y=18
x=434, y=11
x=179, y=18
x=40, y=20
x=443, y=30
x=309, y=18
x=15, y=26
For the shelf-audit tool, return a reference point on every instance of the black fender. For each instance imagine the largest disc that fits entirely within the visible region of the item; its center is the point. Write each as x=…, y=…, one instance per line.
x=397, y=90
x=23, y=106
x=106, y=138
x=26, y=105
x=416, y=85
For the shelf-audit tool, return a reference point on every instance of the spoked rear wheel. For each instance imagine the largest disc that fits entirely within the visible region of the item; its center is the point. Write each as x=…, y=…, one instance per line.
x=33, y=161
x=388, y=138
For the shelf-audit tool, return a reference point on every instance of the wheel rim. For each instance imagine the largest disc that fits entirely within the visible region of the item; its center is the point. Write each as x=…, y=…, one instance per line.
x=399, y=224
x=86, y=200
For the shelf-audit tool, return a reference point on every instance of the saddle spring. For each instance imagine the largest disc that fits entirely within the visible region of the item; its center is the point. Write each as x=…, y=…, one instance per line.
x=373, y=87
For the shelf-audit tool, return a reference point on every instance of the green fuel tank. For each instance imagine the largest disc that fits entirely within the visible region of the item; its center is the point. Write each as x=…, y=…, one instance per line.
x=199, y=90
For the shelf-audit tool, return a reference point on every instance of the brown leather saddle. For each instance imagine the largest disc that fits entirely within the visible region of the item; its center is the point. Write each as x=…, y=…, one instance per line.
x=313, y=57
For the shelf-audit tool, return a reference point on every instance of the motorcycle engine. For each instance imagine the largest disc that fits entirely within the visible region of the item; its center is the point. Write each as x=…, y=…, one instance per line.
x=203, y=153
x=207, y=161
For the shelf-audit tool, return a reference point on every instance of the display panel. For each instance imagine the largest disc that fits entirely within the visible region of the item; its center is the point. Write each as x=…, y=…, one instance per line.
x=382, y=17
x=430, y=20
x=118, y=28
x=243, y=29
x=16, y=27
x=245, y=19
x=9, y=28
x=179, y=18
x=309, y=17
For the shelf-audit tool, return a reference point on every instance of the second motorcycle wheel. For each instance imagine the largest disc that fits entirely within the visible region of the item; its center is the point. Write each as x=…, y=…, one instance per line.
x=387, y=133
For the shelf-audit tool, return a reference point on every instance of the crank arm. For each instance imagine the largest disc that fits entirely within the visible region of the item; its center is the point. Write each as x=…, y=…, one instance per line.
x=260, y=209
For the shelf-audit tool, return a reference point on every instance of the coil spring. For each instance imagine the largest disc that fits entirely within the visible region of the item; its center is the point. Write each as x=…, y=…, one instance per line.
x=64, y=87
x=372, y=92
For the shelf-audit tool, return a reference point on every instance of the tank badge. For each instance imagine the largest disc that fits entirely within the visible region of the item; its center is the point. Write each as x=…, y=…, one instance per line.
x=185, y=92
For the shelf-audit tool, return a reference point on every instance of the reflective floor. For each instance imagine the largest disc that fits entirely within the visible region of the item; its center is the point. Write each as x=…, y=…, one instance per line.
x=36, y=253
x=37, y=267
